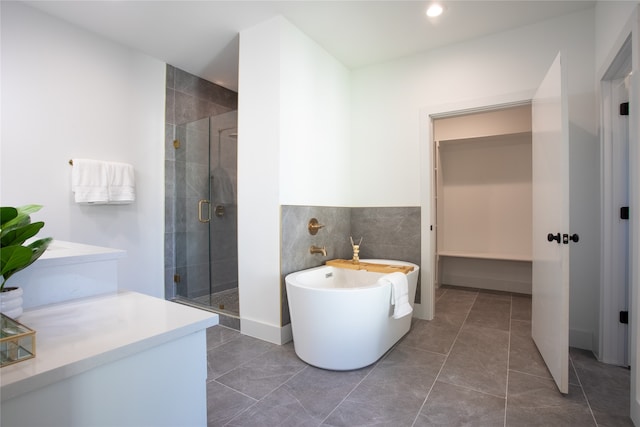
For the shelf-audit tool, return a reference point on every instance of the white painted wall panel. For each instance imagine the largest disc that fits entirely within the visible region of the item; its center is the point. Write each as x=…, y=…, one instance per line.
x=68, y=93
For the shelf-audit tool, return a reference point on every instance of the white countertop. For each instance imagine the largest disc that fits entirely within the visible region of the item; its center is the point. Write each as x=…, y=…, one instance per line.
x=60, y=252
x=75, y=336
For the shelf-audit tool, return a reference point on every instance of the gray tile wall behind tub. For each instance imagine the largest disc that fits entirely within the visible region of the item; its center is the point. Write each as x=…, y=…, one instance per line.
x=387, y=233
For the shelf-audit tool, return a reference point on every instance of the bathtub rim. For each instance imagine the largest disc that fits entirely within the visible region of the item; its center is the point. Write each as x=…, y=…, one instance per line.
x=289, y=278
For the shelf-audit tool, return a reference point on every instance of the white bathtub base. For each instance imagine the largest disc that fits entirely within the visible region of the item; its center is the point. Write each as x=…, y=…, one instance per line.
x=344, y=327
x=349, y=350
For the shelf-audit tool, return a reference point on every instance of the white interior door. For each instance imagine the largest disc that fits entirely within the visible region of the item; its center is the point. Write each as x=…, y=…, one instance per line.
x=550, y=276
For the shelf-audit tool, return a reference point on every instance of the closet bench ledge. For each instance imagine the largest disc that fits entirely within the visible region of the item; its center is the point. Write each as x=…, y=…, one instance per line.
x=486, y=255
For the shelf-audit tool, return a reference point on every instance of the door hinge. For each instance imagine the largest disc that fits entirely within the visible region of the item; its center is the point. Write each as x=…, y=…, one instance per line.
x=176, y=278
x=624, y=317
x=624, y=212
x=624, y=109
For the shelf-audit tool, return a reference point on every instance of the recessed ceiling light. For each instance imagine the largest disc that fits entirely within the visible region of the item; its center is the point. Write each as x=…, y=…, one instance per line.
x=434, y=10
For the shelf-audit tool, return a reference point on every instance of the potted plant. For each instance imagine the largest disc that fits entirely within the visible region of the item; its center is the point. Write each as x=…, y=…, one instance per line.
x=15, y=229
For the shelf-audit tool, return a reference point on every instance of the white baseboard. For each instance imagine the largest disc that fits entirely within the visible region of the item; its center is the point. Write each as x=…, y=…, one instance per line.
x=581, y=339
x=488, y=283
x=271, y=333
x=498, y=275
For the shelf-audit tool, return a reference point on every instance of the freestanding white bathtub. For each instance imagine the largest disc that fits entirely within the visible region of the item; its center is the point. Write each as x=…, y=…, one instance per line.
x=341, y=319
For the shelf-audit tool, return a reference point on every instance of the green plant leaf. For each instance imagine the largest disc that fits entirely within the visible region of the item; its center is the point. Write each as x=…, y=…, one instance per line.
x=7, y=213
x=29, y=209
x=15, y=229
x=22, y=218
x=19, y=234
x=18, y=221
x=13, y=259
x=38, y=248
x=16, y=258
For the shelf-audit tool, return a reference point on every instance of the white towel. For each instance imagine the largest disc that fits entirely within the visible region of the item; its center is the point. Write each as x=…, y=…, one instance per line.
x=89, y=181
x=122, y=185
x=399, y=293
x=222, y=187
x=97, y=182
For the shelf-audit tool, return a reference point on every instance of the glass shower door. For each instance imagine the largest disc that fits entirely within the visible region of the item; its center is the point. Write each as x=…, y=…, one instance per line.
x=193, y=212
x=224, y=220
x=206, y=247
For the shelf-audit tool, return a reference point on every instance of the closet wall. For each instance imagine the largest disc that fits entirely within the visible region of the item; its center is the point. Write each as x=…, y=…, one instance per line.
x=483, y=199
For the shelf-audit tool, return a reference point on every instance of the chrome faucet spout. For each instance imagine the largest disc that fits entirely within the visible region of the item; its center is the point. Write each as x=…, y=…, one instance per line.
x=318, y=250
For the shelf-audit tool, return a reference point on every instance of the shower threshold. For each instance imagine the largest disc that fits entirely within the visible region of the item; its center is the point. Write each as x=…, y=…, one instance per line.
x=224, y=302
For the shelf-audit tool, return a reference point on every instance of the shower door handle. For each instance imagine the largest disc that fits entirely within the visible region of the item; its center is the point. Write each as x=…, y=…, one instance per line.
x=200, y=204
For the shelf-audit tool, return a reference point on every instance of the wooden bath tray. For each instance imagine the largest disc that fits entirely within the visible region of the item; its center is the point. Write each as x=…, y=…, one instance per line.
x=369, y=266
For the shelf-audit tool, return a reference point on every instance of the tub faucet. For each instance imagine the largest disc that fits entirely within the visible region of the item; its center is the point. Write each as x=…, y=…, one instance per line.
x=356, y=250
x=318, y=250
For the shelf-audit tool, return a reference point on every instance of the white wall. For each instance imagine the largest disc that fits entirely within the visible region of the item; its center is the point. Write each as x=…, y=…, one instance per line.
x=293, y=128
x=258, y=180
x=315, y=163
x=67, y=93
x=610, y=20
x=389, y=98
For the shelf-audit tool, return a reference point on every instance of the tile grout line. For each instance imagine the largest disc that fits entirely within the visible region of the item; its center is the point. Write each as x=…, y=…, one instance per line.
x=298, y=400
x=586, y=398
x=351, y=391
x=226, y=341
x=506, y=391
x=243, y=363
x=237, y=391
x=257, y=401
x=444, y=362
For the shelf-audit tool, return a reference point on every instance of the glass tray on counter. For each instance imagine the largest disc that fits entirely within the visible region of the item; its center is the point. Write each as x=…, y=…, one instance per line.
x=17, y=342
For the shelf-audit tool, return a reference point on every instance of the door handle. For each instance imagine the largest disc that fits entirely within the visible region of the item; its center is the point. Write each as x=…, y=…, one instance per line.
x=202, y=202
x=551, y=237
x=566, y=238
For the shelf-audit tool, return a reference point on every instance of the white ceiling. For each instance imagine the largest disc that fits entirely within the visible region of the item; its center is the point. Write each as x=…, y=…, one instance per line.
x=201, y=37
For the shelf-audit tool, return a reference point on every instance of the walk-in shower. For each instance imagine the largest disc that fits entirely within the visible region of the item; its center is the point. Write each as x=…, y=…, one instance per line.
x=206, y=249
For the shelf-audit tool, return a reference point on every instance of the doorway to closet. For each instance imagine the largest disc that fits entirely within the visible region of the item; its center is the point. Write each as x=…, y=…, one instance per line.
x=483, y=199
x=496, y=240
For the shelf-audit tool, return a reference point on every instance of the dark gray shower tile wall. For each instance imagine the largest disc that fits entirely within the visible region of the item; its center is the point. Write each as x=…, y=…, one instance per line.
x=192, y=185
x=387, y=232
x=224, y=221
x=188, y=99
x=224, y=249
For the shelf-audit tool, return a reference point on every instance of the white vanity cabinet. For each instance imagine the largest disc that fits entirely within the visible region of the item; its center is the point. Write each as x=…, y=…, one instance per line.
x=104, y=356
x=68, y=271
x=120, y=359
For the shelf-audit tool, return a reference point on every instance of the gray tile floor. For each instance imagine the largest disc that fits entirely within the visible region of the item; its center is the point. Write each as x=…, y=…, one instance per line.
x=473, y=365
